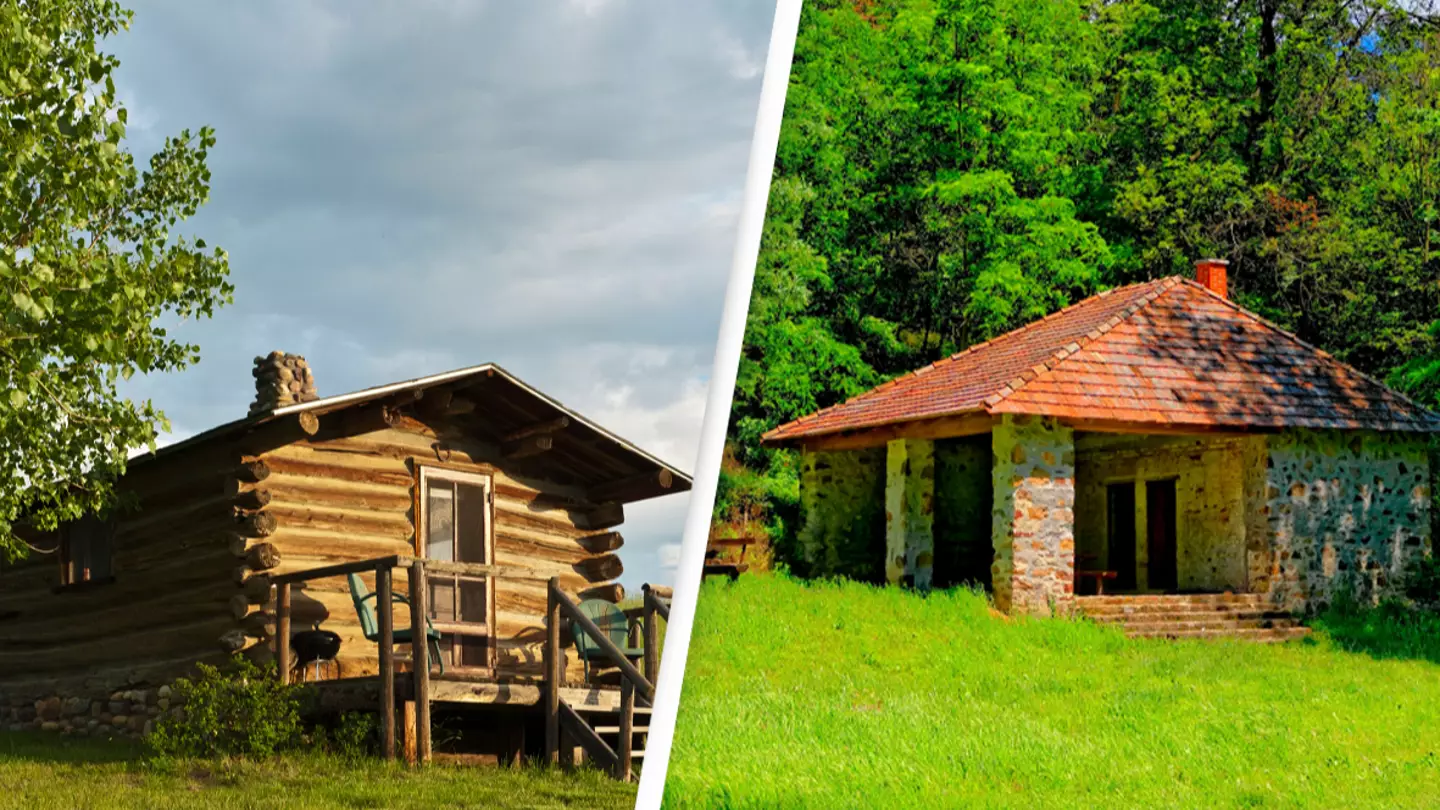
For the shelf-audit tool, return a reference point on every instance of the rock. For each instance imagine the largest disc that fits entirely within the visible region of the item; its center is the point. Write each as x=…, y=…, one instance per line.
x=137, y=707
x=119, y=720
x=96, y=708
x=162, y=704
x=149, y=728
x=119, y=707
x=138, y=722
x=16, y=726
x=153, y=711
x=49, y=725
x=48, y=709
x=106, y=717
x=163, y=692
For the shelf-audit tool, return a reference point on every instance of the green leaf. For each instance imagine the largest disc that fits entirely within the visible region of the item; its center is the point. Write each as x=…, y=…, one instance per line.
x=17, y=398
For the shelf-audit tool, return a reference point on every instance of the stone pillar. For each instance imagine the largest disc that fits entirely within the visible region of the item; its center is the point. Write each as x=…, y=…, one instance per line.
x=281, y=379
x=1033, y=520
x=909, y=512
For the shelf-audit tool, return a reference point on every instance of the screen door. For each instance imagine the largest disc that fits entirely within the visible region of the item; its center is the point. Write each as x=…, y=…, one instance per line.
x=457, y=528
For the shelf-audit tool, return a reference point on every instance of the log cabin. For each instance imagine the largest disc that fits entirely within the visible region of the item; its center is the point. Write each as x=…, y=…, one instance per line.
x=472, y=466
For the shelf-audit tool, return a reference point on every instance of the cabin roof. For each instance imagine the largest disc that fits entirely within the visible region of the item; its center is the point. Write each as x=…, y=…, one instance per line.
x=1167, y=352
x=584, y=453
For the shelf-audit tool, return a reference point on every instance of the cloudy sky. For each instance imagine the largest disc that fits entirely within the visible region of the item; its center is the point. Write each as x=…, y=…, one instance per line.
x=408, y=188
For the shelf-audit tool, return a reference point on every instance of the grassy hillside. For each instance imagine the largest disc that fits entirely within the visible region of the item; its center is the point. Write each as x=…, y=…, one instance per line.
x=44, y=771
x=844, y=695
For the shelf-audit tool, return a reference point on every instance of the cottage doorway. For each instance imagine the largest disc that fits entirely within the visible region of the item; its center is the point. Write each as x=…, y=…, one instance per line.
x=457, y=527
x=1120, y=543
x=1161, y=535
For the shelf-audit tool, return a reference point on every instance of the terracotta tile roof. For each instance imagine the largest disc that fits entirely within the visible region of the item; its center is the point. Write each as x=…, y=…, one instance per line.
x=1165, y=352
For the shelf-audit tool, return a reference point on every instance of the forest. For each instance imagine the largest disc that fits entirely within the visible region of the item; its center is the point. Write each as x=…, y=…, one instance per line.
x=951, y=169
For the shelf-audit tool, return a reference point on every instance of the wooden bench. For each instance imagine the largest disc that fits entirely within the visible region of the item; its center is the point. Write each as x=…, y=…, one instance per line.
x=714, y=568
x=1099, y=576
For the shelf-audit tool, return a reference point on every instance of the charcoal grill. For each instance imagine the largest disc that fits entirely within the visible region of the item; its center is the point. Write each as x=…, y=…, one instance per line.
x=315, y=647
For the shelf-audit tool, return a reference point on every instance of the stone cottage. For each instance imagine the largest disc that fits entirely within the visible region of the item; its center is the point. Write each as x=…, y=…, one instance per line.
x=1155, y=438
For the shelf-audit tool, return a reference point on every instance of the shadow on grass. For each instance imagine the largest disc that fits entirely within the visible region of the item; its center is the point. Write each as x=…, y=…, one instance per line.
x=49, y=747
x=1389, y=632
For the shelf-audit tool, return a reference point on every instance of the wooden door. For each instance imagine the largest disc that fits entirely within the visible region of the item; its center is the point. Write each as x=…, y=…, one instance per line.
x=1161, y=518
x=1120, y=522
x=457, y=527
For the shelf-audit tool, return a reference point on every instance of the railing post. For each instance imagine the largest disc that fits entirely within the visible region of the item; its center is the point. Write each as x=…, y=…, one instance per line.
x=552, y=671
x=652, y=636
x=282, y=631
x=627, y=728
x=420, y=658
x=386, y=615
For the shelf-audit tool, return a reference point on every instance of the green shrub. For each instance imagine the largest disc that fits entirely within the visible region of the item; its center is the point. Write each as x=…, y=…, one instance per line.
x=355, y=736
x=1422, y=583
x=241, y=710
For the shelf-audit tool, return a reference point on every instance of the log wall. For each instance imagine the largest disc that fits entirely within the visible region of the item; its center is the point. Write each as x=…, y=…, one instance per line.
x=343, y=495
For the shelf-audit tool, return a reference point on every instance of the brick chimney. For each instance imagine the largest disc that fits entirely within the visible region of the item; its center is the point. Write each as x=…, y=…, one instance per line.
x=281, y=379
x=1211, y=274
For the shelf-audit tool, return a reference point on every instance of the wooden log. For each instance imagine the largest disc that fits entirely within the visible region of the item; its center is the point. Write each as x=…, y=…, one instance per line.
x=252, y=470
x=633, y=488
x=601, y=543
x=282, y=631
x=385, y=616
x=537, y=429
x=239, y=606
x=308, y=422
x=259, y=624
x=604, y=516
x=257, y=589
x=420, y=654
x=627, y=731
x=258, y=524
x=252, y=498
x=459, y=406
x=553, y=683
x=232, y=641
x=408, y=729
x=525, y=448
x=262, y=557
x=609, y=591
x=605, y=567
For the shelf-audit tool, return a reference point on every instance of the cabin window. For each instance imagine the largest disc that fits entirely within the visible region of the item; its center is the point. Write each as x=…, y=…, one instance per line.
x=456, y=527
x=86, y=546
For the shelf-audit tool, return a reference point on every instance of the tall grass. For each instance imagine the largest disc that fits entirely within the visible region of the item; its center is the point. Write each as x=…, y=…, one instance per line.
x=844, y=695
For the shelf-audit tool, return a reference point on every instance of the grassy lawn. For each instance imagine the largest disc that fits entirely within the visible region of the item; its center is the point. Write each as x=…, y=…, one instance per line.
x=844, y=695
x=41, y=771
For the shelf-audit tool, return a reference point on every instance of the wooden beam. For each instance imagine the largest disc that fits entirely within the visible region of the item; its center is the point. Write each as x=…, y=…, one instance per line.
x=601, y=543
x=599, y=569
x=1158, y=429
x=610, y=592
x=420, y=658
x=537, y=429
x=633, y=488
x=945, y=427
x=603, y=516
x=527, y=447
x=553, y=668
x=460, y=406
x=385, y=614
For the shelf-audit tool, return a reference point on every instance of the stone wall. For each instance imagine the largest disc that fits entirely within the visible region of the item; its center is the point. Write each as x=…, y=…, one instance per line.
x=842, y=499
x=1209, y=477
x=1033, y=515
x=125, y=713
x=1346, y=513
x=910, y=512
x=963, y=499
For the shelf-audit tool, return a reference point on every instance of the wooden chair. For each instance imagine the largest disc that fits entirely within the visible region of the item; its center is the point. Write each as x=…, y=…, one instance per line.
x=612, y=622
x=370, y=625
x=1084, y=569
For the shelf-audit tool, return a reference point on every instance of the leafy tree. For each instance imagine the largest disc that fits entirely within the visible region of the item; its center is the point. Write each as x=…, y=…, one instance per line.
x=89, y=260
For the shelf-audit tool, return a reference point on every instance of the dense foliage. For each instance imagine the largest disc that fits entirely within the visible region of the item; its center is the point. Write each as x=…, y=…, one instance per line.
x=89, y=259
x=950, y=169
x=240, y=710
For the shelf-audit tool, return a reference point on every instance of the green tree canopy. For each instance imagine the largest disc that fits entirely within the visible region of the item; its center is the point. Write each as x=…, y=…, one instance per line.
x=89, y=260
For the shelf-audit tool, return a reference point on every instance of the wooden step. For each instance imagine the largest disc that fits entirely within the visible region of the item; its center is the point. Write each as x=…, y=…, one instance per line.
x=616, y=729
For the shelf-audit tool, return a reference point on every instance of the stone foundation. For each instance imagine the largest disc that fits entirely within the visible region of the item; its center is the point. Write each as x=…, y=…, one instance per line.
x=1033, y=517
x=128, y=713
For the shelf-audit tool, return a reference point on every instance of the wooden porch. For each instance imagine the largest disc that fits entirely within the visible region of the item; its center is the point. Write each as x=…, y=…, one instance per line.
x=575, y=715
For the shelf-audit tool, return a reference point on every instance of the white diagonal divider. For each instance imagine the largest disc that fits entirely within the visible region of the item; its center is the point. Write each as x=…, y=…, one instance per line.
x=717, y=405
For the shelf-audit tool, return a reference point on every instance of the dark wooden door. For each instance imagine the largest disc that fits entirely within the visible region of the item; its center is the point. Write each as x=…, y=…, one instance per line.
x=1161, y=531
x=1120, y=519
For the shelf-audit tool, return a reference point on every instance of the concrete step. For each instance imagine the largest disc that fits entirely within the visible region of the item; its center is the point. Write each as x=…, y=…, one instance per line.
x=1266, y=634
x=1136, y=610
x=1133, y=600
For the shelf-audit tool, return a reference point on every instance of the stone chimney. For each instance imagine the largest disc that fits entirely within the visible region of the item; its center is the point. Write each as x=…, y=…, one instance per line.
x=281, y=379
x=1211, y=274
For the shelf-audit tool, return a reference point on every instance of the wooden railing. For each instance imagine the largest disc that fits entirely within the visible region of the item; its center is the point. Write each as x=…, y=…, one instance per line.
x=383, y=567
x=561, y=721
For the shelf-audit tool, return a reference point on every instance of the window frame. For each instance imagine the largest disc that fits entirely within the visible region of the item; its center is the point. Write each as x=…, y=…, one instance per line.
x=102, y=531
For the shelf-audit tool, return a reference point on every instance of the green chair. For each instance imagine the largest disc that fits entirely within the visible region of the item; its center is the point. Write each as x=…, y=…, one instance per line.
x=612, y=622
x=370, y=625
